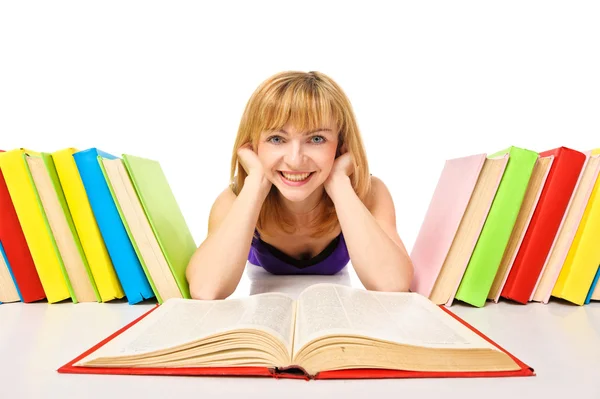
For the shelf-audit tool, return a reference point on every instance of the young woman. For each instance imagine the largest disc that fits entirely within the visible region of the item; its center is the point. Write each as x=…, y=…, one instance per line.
x=302, y=200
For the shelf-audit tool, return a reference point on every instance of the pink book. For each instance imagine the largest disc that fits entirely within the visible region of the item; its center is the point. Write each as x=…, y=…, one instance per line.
x=442, y=219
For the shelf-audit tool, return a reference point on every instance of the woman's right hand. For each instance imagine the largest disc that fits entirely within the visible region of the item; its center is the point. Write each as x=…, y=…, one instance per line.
x=252, y=165
x=249, y=160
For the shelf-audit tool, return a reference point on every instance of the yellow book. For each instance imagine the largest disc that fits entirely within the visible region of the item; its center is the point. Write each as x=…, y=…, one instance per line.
x=34, y=224
x=582, y=261
x=43, y=173
x=93, y=245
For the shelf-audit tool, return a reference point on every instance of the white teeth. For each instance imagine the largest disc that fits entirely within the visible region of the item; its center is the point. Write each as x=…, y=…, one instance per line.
x=296, y=177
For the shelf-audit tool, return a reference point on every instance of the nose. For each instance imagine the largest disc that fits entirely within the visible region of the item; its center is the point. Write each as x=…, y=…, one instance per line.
x=294, y=157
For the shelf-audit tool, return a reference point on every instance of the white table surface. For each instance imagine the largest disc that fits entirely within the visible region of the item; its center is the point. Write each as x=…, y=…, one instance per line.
x=560, y=341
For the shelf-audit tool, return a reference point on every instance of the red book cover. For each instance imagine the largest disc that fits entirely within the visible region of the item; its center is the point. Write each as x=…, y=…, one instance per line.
x=70, y=368
x=544, y=224
x=17, y=250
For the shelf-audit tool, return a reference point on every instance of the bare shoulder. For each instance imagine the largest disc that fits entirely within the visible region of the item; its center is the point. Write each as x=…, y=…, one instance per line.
x=220, y=208
x=377, y=184
x=380, y=198
x=381, y=205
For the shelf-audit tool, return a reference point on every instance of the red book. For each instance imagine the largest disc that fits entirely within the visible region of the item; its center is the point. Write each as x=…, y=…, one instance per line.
x=520, y=369
x=545, y=222
x=17, y=250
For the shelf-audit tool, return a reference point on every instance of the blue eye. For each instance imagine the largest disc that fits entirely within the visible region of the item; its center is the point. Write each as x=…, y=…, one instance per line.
x=322, y=139
x=270, y=139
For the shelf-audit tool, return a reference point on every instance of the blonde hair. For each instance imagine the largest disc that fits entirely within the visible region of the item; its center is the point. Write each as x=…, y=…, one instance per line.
x=304, y=99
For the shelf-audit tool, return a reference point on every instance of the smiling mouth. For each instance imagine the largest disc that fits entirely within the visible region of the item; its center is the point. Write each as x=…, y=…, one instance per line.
x=296, y=177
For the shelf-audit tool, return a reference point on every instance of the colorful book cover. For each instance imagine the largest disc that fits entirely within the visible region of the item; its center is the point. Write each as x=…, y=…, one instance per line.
x=123, y=256
x=445, y=211
x=16, y=249
x=164, y=214
x=34, y=223
x=530, y=201
x=581, y=265
x=125, y=201
x=68, y=242
x=567, y=230
x=544, y=225
x=93, y=245
x=487, y=255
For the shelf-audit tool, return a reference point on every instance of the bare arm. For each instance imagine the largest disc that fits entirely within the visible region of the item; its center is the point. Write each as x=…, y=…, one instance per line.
x=376, y=251
x=216, y=267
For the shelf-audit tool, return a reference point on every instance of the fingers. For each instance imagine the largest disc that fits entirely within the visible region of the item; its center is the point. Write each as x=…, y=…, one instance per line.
x=245, y=146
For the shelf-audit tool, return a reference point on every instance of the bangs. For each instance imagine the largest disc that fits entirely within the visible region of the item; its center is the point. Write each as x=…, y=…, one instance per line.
x=304, y=104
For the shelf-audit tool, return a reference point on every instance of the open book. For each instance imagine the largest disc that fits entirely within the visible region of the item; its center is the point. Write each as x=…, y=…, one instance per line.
x=329, y=327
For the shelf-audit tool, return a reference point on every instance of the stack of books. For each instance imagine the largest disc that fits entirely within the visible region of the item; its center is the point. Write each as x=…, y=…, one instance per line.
x=88, y=226
x=517, y=224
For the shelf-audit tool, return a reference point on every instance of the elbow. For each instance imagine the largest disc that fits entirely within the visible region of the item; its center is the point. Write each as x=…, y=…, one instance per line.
x=208, y=292
x=397, y=282
x=211, y=286
x=203, y=288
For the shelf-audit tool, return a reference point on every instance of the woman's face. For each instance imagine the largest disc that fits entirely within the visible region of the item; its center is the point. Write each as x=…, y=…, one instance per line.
x=298, y=163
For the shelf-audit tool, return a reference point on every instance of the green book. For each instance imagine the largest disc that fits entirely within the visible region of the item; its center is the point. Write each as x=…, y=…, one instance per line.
x=487, y=255
x=164, y=215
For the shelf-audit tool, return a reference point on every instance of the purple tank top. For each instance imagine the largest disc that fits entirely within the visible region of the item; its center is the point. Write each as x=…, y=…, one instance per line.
x=330, y=261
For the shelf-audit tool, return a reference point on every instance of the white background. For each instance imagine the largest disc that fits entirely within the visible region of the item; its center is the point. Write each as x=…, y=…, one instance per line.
x=428, y=81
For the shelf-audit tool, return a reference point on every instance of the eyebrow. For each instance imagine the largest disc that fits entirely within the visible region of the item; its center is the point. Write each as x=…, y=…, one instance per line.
x=311, y=132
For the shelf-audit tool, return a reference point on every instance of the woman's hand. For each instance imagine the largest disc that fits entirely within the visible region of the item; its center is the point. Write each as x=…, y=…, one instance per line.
x=343, y=167
x=252, y=165
x=249, y=160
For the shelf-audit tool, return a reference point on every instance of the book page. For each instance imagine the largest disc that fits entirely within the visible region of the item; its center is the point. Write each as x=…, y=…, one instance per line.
x=180, y=321
x=405, y=318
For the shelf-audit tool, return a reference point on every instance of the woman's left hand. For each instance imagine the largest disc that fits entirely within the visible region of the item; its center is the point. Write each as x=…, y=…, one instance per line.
x=342, y=167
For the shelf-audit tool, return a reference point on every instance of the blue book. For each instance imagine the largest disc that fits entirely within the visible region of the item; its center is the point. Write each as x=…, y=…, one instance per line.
x=588, y=298
x=12, y=276
x=120, y=249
